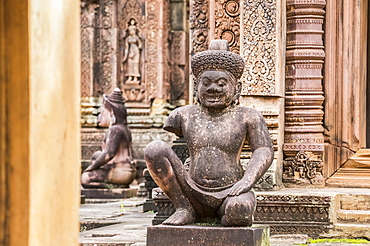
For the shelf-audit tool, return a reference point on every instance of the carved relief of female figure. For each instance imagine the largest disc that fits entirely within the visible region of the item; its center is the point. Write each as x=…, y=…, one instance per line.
x=131, y=54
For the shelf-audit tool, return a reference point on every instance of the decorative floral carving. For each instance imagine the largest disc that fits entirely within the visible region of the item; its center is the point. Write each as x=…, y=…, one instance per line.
x=259, y=42
x=227, y=26
x=199, y=25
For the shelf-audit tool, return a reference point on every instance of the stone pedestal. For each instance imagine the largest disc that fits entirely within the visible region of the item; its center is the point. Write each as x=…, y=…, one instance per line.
x=207, y=235
x=118, y=193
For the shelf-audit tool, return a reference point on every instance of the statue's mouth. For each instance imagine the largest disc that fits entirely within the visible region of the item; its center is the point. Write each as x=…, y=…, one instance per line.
x=213, y=97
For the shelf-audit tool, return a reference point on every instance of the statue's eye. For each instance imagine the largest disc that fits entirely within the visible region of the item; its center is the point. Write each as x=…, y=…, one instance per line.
x=205, y=81
x=221, y=82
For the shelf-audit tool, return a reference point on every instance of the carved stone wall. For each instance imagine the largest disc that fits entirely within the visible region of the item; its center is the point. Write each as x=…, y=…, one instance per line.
x=304, y=142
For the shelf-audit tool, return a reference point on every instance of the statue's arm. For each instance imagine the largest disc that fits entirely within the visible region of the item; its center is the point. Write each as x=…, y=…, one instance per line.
x=111, y=147
x=174, y=122
x=260, y=142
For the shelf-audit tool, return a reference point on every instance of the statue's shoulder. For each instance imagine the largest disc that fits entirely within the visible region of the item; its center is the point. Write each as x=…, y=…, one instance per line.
x=251, y=114
x=184, y=110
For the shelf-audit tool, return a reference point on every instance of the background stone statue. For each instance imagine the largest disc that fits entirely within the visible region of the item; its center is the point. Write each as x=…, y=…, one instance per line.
x=114, y=164
x=131, y=54
x=216, y=185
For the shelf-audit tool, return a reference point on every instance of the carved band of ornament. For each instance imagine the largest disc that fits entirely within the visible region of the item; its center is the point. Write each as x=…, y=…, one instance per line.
x=309, y=3
x=300, y=103
x=305, y=21
x=295, y=199
x=305, y=147
x=314, y=43
x=295, y=54
x=305, y=32
x=308, y=66
x=304, y=77
x=310, y=140
x=296, y=127
x=305, y=13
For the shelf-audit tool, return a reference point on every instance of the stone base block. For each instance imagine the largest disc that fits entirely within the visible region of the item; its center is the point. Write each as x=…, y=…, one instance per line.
x=203, y=235
x=119, y=193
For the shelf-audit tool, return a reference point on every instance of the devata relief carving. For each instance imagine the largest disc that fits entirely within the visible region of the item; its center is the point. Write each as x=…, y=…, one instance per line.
x=259, y=47
x=131, y=55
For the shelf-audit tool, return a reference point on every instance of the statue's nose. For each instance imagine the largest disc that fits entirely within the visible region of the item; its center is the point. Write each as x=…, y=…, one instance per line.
x=213, y=88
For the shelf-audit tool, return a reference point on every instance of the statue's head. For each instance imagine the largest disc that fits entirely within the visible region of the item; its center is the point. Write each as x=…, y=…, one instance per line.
x=115, y=105
x=217, y=72
x=132, y=27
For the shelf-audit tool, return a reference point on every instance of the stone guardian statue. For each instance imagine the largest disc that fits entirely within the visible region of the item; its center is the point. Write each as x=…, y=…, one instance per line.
x=114, y=164
x=215, y=131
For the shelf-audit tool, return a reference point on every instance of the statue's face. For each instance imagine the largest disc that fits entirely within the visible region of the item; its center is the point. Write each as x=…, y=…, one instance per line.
x=215, y=89
x=104, y=117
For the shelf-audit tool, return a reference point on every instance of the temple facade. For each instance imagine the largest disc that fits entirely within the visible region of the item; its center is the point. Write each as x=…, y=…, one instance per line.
x=306, y=69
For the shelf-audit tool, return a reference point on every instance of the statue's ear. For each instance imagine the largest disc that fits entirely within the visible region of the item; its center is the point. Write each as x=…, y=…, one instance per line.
x=238, y=89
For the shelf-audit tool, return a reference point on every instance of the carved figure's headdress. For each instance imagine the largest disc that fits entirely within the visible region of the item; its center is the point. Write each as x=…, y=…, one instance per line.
x=218, y=57
x=116, y=103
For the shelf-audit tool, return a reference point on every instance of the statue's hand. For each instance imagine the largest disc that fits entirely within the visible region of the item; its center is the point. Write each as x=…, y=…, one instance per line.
x=240, y=187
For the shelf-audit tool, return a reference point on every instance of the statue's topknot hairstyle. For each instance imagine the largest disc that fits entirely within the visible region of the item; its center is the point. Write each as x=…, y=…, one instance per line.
x=116, y=102
x=218, y=57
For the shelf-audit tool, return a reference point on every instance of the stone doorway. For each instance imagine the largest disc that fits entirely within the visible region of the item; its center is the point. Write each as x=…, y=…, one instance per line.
x=347, y=104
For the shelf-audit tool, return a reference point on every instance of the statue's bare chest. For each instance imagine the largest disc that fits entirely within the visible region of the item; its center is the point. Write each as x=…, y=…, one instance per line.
x=223, y=133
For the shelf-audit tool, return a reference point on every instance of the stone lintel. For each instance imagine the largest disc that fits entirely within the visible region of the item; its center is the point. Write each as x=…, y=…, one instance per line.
x=207, y=235
x=118, y=193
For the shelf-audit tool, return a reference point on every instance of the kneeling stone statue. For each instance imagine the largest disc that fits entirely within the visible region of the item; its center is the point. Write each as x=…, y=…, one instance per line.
x=216, y=185
x=114, y=165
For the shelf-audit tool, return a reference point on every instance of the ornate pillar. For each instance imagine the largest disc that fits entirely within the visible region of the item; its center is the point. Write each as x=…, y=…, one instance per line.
x=304, y=141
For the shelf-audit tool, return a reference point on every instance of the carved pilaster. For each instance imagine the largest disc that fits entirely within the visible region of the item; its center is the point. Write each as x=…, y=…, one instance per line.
x=304, y=142
x=199, y=25
x=105, y=48
x=156, y=67
x=259, y=47
x=179, y=65
x=87, y=41
x=227, y=22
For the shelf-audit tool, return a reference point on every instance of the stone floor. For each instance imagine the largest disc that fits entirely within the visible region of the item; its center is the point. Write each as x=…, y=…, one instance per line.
x=122, y=222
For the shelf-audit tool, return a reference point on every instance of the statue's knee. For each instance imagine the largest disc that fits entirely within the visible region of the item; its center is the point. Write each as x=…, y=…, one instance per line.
x=155, y=150
x=239, y=211
x=85, y=178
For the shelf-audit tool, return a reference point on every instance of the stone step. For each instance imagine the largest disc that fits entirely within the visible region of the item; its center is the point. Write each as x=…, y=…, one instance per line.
x=355, y=202
x=354, y=216
x=345, y=230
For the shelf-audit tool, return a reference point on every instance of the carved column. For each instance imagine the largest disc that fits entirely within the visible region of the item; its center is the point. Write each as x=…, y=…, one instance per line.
x=304, y=142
